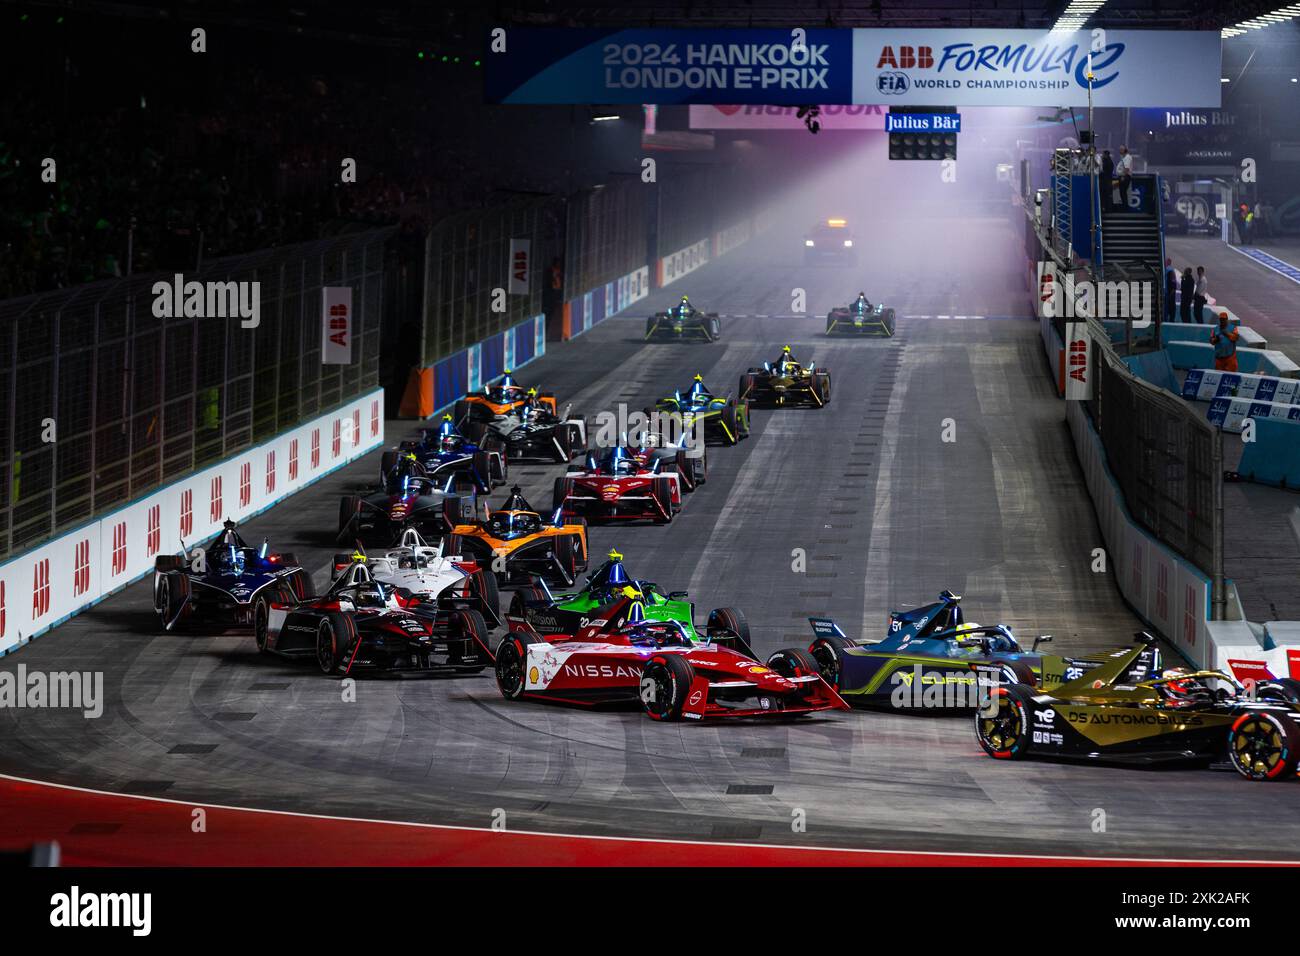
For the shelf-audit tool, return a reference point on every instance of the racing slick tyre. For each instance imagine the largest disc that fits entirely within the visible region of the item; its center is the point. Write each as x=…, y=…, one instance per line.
x=1263, y=746
x=685, y=471
x=261, y=625
x=567, y=550
x=483, y=585
x=462, y=414
x=662, y=490
x=1005, y=731
x=471, y=625
x=793, y=662
x=821, y=386
x=483, y=472
x=727, y=626
x=731, y=420
x=665, y=681
x=335, y=635
x=348, y=509
x=826, y=651
x=512, y=662
x=169, y=562
x=570, y=438
x=532, y=593
x=1283, y=689
x=387, y=461
x=171, y=599
x=747, y=383
x=298, y=584
x=650, y=326
x=580, y=541
x=888, y=319
x=562, y=488
x=713, y=327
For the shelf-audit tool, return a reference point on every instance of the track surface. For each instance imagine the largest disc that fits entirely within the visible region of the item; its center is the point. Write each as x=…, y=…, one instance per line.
x=888, y=514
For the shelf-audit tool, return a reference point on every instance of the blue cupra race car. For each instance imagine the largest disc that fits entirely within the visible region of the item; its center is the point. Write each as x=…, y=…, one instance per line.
x=931, y=658
x=218, y=583
x=444, y=450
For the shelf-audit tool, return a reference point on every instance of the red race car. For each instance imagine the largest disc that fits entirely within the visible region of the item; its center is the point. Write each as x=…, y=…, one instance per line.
x=360, y=624
x=619, y=485
x=622, y=657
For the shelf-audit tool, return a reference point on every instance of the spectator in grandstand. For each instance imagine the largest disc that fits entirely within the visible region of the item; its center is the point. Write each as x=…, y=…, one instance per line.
x=1107, y=181
x=1125, y=173
x=1199, y=295
x=1224, y=341
x=1171, y=290
x=1186, y=293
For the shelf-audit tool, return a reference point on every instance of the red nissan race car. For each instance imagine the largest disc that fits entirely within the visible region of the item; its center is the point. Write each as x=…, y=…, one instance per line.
x=622, y=657
x=619, y=486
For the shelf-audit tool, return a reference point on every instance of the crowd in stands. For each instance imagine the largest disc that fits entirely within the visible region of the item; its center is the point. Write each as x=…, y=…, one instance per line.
x=167, y=177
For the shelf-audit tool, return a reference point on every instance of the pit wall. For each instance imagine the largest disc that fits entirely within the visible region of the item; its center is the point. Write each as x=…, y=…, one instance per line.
x=66, y=575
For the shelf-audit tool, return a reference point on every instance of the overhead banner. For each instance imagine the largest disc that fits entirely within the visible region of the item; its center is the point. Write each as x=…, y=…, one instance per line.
x=519, y=266
x=1131, y=68
x=336, y=325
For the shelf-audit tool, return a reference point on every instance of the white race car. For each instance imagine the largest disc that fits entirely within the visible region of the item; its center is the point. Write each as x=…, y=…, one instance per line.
x=424, y=577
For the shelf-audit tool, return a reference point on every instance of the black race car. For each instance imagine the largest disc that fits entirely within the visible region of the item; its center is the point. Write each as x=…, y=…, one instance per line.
x=218, y=583
x=786, y=383
x=408, y=498
x=533, y=431
x=683, y=323
x=444, y=449
x=360, y=624
x=861, y=317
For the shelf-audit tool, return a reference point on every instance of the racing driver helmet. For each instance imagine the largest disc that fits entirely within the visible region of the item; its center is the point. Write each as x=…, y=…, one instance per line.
x=448, y=438
x=370, y=595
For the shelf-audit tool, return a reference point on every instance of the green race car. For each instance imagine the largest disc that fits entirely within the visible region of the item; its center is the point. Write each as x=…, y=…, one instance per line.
x=537, y=609
x=723, y=419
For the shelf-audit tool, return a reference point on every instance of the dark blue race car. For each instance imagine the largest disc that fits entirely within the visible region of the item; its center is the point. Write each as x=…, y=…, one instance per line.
x=932, y=658
x=445, y=450
x=218, y=583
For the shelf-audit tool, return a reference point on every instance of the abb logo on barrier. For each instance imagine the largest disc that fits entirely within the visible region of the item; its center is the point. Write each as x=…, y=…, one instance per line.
x=41, y=588
x=315, y=448
x=374, y=418
x=187, y=512
x=1189, y=616
x=153, y=538
x=907, y=58
x=245, y=484
x=1137, y=567
x=81, y=568
x=337, y=443
x=356, y=428
x=3, y=611
x=293, y=460
x=270, y=471
x=119, y=548
x=214, y=498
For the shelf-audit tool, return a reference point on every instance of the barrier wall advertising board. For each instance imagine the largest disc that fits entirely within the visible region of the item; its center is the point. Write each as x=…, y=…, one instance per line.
x=48, y=584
